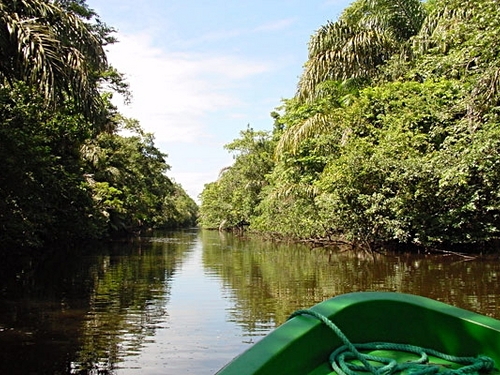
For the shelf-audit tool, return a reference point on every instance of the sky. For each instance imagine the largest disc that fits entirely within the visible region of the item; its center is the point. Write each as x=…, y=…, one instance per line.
x=201, y=71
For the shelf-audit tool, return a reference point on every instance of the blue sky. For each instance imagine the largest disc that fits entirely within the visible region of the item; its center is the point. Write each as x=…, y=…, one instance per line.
x=200, y=71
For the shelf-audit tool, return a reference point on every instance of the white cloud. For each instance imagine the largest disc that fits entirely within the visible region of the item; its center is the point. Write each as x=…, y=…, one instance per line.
x=277, y=25
x=172, y=92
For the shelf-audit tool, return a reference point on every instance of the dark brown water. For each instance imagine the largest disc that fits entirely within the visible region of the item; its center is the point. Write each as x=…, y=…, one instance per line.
x=188, y=302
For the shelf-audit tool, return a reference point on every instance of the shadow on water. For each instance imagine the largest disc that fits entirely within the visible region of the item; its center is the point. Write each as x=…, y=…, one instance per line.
x=80, y=311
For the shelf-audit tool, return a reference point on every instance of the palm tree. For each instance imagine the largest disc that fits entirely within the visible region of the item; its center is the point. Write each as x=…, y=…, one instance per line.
x=347, y=54
x=53, y=50
x=366, y=35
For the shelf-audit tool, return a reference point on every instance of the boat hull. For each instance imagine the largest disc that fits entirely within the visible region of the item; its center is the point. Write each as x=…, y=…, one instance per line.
x=303, y=344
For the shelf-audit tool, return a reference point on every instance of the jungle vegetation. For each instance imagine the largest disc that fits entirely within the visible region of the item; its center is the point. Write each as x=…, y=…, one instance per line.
x=69, y=172
x=392, y=138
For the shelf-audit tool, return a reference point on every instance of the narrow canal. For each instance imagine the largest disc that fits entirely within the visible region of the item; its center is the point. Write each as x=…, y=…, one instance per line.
x=187, y=302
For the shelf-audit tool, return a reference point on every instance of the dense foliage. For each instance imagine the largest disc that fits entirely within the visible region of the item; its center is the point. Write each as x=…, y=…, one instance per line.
x=68, y=173
x=393, y=136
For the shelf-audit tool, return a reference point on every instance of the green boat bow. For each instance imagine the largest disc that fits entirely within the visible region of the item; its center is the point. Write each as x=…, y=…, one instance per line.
x=304, y=344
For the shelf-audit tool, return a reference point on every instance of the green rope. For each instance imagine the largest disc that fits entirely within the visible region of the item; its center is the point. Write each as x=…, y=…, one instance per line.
x=340, y=358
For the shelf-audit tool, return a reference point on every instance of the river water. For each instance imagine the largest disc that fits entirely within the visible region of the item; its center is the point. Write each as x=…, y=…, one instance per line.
x=187, y=302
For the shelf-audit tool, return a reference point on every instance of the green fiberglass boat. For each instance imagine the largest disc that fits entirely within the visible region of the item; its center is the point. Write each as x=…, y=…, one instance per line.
x=379, y=333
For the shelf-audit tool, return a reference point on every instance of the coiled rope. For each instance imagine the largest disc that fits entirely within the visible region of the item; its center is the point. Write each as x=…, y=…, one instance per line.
x=340, y=358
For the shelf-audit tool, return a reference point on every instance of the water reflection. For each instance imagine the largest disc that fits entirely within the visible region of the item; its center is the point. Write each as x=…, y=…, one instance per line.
x=82, y=314
x=272, y=280
x=128, y=303
x=190, y=301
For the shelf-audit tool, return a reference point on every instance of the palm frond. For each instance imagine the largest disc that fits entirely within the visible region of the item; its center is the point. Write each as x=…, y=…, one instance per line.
x=292, y=138
x=403, y=17
x=436, y=27
x=366, y=35
x=289, y=191
x=51, y=49
x=356, y=54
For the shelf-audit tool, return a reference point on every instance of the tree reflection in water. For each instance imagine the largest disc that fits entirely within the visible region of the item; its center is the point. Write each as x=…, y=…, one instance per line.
x=190, y=301
x=83, y=311
x=272, y=280
x=129, y=302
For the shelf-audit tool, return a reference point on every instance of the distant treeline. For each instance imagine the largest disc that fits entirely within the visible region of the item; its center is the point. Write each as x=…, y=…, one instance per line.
x=393, y=137
x=67, y=172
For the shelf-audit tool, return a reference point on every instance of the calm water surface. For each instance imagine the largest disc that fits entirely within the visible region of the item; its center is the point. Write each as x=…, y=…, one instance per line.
x=187, y=302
